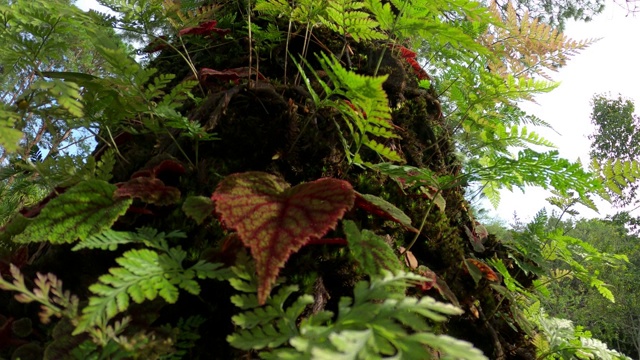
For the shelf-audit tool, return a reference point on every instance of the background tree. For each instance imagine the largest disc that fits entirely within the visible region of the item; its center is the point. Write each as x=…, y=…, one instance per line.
x=614, y=323
x=616, y=136
x=555, y=12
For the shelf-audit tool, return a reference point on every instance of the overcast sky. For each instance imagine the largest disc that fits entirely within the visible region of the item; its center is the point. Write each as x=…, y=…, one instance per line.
x=611, y=65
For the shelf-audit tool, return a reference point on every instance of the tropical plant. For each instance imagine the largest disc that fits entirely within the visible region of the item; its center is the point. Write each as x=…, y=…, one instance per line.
x=210, y=145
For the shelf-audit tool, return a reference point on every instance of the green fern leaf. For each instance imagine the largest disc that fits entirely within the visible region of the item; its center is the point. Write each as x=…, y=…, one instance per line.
x=344, y=17
x=85, y=209
x=144, y=275
x=9, y=135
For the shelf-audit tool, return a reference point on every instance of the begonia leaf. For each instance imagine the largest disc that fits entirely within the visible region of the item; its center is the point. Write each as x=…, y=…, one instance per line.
x=198, y=208
x=477, y=235
x=370, y=250
x=149, y=190
x=275, y=220
x=86, y=209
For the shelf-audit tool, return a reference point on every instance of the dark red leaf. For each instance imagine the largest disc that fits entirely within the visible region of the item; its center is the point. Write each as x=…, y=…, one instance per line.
x=431, y=278
x=234, y=74
x=477, y=236
x=143, y=173
x=275, y=220
x=172, y=167
x=156, y=45
x=418, y=70
x=149, y=190
x=205, y=28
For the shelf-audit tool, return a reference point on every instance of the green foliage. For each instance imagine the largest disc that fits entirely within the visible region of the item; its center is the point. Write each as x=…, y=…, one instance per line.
x=479, y=69
x=613, y=323
x=346, y=17
x=187, y=336
x=85, y=209
x=366, y=110
x=560, y=339
x=110, y=239
x=614, y=146
x=144, y=275
x=198, y=208
x=557, y=12
x=370, y=250
x=550, y=251
x=376, y=322
x=531, y=168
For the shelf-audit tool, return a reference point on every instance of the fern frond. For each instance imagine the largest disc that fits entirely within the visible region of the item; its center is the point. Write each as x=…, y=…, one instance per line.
x=526, y=47
x=144, y=275
x=367, y=111
x=346, y=18
x=379, y=321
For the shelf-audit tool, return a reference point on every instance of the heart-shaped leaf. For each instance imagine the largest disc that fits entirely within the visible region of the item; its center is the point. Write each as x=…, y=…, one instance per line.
x=198, y=208
x=149, y=190
x=370, y=250
x=275, y=220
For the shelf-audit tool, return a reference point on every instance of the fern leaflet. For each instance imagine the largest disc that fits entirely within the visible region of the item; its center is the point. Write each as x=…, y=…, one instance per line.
x=143, y=274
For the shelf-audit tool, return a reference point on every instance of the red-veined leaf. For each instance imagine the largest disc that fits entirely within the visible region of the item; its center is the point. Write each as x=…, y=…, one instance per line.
x=275, y=220
x=149, y=190
x=84, y=209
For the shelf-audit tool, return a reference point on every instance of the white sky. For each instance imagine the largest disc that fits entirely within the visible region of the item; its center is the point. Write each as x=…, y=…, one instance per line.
x=608, y=66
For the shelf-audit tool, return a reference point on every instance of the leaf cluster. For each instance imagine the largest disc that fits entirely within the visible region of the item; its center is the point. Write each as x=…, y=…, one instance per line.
x=376, y=322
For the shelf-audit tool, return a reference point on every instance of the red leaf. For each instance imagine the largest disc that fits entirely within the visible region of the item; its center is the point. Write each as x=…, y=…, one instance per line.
x=431, y=278
x=149, y=190
x=234, y=74
x=171, y=167
x=483, y=268
x=275, y=220
x=155, y=45
x=205, y=28
x=422, y=75
x=477, y=236
x=407, y=54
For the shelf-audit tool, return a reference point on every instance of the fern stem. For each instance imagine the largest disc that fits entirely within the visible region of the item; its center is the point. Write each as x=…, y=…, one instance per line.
x=286, y=50
x=250, y=42
x=422, y=223
x=180, y=148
